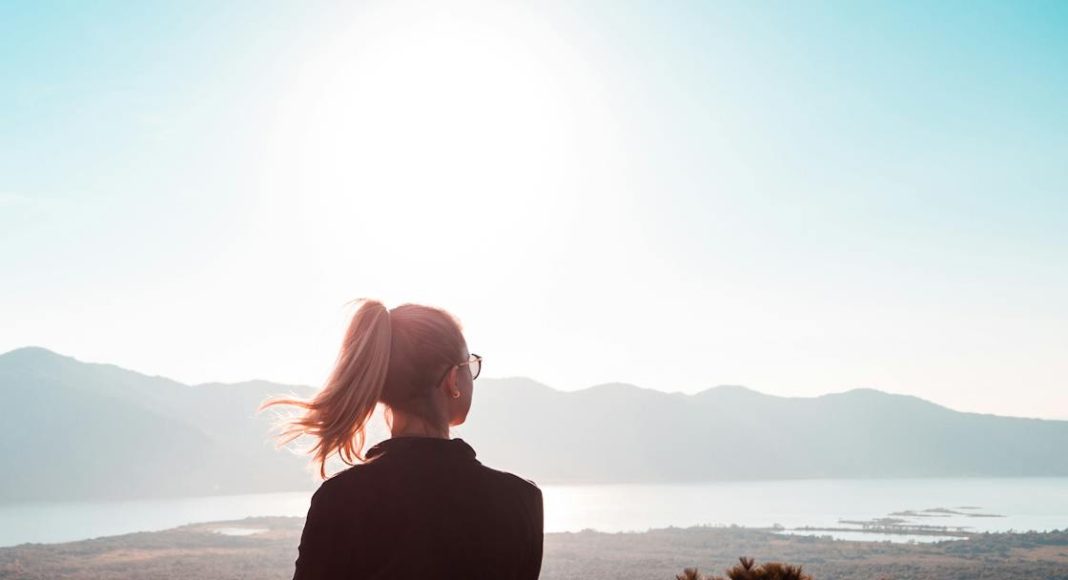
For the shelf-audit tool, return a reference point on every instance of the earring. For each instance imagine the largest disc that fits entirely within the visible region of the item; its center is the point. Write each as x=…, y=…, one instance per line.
x=456, y=394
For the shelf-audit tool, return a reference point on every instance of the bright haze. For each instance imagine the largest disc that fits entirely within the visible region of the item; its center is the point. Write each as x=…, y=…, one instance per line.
x=800, y=199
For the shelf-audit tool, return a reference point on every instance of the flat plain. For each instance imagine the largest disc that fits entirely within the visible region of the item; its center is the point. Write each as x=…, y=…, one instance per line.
x=265, y=548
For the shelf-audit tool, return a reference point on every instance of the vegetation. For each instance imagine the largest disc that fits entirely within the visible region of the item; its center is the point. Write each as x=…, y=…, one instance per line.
x=199, y=551
x=747, y=569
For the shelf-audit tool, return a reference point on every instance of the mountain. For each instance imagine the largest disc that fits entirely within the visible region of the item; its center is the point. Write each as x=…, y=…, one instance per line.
x=77, y=430
x=622, y=433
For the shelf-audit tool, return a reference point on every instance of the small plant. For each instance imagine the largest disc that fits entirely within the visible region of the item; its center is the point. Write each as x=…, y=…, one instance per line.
x=747, y=569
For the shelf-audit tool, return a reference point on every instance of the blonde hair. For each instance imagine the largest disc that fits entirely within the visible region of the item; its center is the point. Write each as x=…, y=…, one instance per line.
x=388, y=356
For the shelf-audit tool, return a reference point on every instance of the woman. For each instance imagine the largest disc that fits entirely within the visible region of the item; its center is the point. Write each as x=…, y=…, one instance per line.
x=417, y=505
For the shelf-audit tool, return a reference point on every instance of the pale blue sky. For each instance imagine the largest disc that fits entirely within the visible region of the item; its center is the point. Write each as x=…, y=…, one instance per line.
x=799, y=197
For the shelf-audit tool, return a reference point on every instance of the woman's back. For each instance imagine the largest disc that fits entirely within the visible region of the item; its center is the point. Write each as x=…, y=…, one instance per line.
x=423, y=507
x=418, y=505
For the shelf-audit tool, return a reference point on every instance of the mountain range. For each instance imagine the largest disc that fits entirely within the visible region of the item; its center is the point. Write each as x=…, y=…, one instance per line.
x=76, y=430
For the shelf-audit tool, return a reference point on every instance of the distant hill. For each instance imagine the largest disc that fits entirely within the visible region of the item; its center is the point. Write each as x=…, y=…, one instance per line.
x=77, y=430
x=623, y=433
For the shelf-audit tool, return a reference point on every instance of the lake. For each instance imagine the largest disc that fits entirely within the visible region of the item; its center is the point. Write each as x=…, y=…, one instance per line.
x=974, y=504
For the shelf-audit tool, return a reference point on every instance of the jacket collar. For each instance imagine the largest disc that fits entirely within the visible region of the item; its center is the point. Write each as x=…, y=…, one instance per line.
x=420, y=445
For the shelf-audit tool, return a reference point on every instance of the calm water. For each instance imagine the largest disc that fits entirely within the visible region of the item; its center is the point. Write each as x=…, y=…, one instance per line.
x=1025, y=504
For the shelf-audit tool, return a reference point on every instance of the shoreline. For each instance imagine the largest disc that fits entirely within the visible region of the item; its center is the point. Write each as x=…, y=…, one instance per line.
x=974, y=505
x=265, y=547
x=877, y=533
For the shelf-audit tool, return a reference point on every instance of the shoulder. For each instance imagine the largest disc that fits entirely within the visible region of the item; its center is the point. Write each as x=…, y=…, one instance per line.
x=346, y=486
x=518, y=496
x=523, y=487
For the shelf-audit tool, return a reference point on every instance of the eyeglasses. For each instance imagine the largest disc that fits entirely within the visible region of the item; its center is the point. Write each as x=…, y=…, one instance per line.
x=476, y=365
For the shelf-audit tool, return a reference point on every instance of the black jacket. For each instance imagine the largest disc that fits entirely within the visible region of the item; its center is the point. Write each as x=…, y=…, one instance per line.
x=422, y=507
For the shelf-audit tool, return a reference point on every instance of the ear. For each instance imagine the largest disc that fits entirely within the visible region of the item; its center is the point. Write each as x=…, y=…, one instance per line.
x=451, y=379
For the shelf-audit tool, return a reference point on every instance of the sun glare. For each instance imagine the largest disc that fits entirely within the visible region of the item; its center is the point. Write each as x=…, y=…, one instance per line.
x=439, y=120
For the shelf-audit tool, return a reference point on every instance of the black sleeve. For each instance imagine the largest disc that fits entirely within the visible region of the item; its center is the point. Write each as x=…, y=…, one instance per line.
x=322, y=552
x=537, y=542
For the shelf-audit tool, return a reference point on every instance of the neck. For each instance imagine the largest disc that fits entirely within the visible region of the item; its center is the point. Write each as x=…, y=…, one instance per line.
x=405, y=425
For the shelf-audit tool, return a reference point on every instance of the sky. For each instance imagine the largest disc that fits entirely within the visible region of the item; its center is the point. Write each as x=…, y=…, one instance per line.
x=802, y=198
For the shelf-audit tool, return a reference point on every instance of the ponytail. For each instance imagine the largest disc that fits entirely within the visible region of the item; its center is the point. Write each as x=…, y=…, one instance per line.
x=337, y=415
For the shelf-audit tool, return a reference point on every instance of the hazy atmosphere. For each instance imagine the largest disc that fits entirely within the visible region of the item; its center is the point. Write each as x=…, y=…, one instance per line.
x=746, y=290
x=799, y=201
